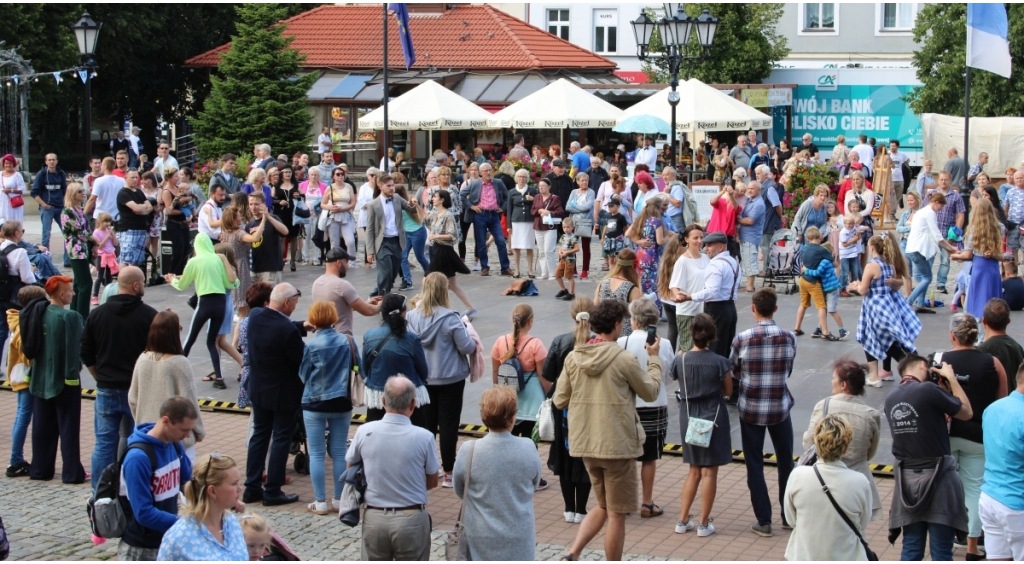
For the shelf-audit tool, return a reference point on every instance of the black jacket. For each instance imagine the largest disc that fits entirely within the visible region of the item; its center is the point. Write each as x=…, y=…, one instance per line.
x=561, y=186
x=275, y=352
x=114, y=337
x=518, y=207
x=597, y=176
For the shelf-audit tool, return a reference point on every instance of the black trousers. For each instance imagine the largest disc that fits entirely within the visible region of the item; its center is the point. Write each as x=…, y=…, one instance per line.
x=177, y=233
x=56, y=418
x=273, y=430
x=212, y=308
x=895, y=351
x=462, y=242
x=673, y=329
x=574, y=495
x=389, y=264
x=443, y=414
x=724, y=314
x=523, y=429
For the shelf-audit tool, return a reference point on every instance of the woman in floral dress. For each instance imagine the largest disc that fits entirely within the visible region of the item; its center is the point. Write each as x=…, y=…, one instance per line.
x=76, y=244
x=649, y=234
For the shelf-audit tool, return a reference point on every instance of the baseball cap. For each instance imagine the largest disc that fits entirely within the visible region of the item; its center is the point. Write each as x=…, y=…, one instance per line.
x=337, y=253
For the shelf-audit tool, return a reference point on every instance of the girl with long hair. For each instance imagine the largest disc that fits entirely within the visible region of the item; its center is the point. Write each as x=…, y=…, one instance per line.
x=622, y=283
x=531, y=354
x=983, y=247
x=178, y=204
x=240, y=242
x=649, y=234
x=208, y=528
x=687, y=276
x=151, y=188
x=415, y=238
x=286, y=190
x=225, y=250
x=77, y=241
x=673, y=250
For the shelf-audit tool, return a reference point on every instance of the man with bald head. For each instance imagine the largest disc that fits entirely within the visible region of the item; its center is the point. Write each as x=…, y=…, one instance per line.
x=275, y=391
x=114, y=337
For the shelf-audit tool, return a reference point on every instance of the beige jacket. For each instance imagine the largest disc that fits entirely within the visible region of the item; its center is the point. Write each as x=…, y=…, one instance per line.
x=599, y=385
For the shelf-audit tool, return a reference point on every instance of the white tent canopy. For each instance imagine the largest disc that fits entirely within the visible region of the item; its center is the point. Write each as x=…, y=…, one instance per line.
x=1001, y=137
x=430, y=107
x=558, y=105
x=701, y=108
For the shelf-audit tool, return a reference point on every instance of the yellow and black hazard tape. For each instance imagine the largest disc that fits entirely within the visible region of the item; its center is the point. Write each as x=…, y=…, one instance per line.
x=479, y=430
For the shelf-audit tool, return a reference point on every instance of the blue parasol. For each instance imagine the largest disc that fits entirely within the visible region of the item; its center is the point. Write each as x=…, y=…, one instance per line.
x=643, y=123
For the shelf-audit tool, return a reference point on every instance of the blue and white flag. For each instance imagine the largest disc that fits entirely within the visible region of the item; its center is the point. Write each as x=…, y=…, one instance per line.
x=402, y=15
x=987, y=45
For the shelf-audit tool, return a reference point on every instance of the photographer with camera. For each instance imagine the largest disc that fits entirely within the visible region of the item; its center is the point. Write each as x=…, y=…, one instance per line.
x=928, y=499
x=983, y=379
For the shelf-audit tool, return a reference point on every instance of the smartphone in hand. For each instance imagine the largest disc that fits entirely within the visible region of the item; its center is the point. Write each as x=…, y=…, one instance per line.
x=652, y=334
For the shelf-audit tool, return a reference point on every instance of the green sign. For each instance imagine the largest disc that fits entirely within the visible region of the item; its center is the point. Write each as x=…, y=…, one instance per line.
x=875, y=111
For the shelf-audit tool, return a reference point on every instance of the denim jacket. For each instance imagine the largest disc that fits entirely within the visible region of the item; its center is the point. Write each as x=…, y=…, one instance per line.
x=326, y=364
x=403, y=355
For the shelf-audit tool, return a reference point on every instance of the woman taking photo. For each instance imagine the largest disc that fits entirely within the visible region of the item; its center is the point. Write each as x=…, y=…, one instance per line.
x=622, y=284
x=13, y=184
x=581, y=209
x=162, y=372
x=446, y=342
x=392, y=349
x=706, y=380
x=653, y=414
x=519, y=207
x=986, y=381
x=547, y=216
x=442, y=234
x=725, y=210
x=339, y=201
x=151, y=188
x=285, y=193
x=649, y=234
x=531, y=354
x=688, y=277
x=809, y=510
x=846, y=401
x=178, y=205
x=723, y=165
x=241, y=244
x=77, y=243
x=983, y=246
x=496, y=478
x=326, y=401
x=208, y=529
x=415, y=238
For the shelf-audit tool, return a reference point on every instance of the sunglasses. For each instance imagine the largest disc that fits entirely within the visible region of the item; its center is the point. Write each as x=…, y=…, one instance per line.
x=339, y=173
x=298, y=294
x=206, y=474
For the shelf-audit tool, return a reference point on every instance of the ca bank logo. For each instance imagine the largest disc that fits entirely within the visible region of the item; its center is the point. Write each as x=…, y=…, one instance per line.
x=827, y=81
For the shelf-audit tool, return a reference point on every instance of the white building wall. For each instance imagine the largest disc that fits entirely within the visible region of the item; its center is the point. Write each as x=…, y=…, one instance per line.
x=583, y=19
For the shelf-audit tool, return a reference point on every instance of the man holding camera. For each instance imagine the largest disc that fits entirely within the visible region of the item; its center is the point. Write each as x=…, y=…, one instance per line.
x=929, y=497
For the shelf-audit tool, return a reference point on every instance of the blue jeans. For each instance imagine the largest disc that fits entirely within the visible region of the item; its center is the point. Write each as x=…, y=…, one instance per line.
x=317, y=424
x=753, y=449
x=915, y=535
x=489, y=222
x=922, y=277
x=48, y=217
x=22, y=419
x=849, y=271
x=44, y=266
x=112, y=425
x=414, y=241
x=943, y=275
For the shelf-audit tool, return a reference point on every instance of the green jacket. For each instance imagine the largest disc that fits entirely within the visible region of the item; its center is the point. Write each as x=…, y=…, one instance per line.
x=59, y=364
x=205, y=269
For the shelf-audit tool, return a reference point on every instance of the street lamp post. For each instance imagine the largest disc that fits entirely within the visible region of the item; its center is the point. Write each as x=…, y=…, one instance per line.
x=676, y=30
x=87, y=31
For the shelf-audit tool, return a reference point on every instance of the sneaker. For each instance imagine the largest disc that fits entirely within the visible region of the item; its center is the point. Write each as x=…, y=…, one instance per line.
x=569, y=297
x=562, y=294
x=543, y=485
x=319, y=507
x=18, y=470
x=830, y=337
x=448, y=481
x=816, y=334
x=843, y=333
x=942, y=290
x=336, y=504
x=405, y=286
x=844, y=294
x=469, y=314
x=585, y=275
x=762, y=530
x=95, y=300
x=873, y=384
x=685, y=526
x=798, y=332
x=705, y=530
x=886, y=376
x=786, y=526
x=579, y=518
x=570, y=517
x=476, y=267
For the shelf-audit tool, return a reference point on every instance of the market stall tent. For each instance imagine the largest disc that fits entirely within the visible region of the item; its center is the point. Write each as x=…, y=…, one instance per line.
x=428, y=107
x=558, y=105
x=701, y=108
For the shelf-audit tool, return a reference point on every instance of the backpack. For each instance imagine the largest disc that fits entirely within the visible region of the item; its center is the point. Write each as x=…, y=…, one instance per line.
x=510, y=372
x=106, y=516
x=9, y=283
x=30, y=323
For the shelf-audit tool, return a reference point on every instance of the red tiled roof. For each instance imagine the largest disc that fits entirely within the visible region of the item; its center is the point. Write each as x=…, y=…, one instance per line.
x=471, y=37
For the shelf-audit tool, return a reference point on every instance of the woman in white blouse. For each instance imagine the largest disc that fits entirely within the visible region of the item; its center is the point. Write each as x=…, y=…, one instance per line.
x=688, y=278
x=857, y=190
x=13, y=186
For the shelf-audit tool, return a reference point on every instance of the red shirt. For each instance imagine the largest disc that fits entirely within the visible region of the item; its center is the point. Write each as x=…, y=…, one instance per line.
x=118, y=173
x=723, y=217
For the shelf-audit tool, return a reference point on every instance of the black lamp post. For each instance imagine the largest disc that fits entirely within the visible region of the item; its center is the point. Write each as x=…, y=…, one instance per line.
x=676, y=30
x=87, y=31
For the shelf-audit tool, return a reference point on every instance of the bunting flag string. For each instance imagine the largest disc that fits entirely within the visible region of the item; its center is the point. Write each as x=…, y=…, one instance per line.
x=84, y=74
x=56, y=76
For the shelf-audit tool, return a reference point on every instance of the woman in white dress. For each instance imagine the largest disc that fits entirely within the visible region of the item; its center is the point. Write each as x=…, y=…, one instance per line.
x=688, y=277
x=520, y=204
x=13, y=186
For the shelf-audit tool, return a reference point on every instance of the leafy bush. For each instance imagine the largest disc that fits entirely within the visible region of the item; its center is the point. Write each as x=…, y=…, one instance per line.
x=800, y=183
x=536, y=170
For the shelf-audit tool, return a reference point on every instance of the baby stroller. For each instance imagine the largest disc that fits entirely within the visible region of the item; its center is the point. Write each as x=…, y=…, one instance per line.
x=300, y=447
x=783, y=261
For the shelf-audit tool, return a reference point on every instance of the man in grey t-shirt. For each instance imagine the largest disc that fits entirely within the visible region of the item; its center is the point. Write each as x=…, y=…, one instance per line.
x=739, y=155
x=400, y=465
x=957, y=169
x=332, y=287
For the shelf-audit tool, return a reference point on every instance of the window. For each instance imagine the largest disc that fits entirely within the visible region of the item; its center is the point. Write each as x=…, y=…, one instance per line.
x=898, y=16
x=820, y=16
x=558, y=23
x=605, y=30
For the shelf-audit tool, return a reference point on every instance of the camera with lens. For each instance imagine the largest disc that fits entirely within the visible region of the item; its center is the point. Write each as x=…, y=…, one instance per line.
x=934, y=361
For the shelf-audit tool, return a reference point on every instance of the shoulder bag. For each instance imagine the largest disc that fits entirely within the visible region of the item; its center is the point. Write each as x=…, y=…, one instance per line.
x=871, y=555
x=356, y=386
x=810, y=456
x=454, y=542
x=698, y=431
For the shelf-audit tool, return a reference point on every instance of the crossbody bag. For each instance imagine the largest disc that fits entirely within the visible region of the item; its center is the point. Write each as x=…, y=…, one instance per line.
x=870, y=554
x=698, y=431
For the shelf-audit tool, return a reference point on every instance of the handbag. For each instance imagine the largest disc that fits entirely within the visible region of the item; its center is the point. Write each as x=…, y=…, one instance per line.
x=17, y=201
x=356, y=385
x=454, y=541
x=698, y=431
x=810, y=456
x=867, y=549
x=546, y=422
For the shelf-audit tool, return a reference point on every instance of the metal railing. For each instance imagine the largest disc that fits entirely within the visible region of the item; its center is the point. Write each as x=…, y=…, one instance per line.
x=187, y=152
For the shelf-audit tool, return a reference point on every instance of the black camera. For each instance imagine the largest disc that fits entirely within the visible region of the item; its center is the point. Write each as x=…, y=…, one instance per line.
x=934, y=361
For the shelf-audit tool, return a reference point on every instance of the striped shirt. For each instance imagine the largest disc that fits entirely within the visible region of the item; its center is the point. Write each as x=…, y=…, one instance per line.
x=762, y=357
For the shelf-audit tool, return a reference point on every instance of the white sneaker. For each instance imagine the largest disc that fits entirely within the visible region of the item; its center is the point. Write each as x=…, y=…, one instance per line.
x=336, y=504
x=684, y=526
x=448, y=481
x=570, y=517
x=703, y=531
x=476, y=267
x=319, y=507
x=579, y=518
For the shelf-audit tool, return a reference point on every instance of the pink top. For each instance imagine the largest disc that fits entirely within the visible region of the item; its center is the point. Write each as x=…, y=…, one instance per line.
x=488, y=197
x=531, y=351
x=317, y=193
x=108, y=247
x=723, y=217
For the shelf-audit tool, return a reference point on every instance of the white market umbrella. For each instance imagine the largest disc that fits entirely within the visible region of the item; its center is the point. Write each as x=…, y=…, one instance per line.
x=429, y=107
x=558, y=105
x=701, y=108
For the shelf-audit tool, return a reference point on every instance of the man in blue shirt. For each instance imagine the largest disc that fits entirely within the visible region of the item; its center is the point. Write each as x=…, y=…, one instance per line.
x=771, y=193
x=580, y=158
x=751, y=227
x=1001, y=506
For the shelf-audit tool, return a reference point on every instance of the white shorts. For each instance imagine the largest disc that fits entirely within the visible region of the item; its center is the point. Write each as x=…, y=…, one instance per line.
x=1004, y=529
x=748, y=258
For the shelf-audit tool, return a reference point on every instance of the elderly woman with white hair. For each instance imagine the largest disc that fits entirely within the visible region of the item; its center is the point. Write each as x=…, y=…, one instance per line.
x=580, y=206
x=518, y=209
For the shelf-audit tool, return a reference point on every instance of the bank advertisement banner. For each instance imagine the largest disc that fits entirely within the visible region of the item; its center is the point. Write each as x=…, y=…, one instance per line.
x=876, y=111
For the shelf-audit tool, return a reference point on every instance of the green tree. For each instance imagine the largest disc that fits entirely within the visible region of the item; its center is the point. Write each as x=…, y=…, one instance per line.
x=745, y=49
x=941, y=61
x=255, y=95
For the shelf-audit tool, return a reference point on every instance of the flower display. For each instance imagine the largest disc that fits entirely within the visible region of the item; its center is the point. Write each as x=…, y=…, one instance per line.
x=537, y=170
x=800, y=182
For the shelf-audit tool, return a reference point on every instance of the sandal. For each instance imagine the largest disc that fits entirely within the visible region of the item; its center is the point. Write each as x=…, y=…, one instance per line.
x=567, y=557
x=210, y=377
x=219, y=384
x=517, y=276
x=651, y=510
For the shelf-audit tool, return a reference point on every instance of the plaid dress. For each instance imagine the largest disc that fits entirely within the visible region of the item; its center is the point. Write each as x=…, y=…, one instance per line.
x=886, y=317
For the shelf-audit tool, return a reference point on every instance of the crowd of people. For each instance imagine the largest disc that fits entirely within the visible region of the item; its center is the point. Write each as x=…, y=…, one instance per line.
x=603, y=386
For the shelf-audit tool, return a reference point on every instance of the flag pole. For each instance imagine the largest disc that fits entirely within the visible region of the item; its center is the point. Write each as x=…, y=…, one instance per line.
x=967, y=114
x=385, y=101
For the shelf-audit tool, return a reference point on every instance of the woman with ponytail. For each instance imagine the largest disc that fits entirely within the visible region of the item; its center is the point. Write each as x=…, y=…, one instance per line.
x=391, y=350
x=531, y=354
x=572, y=474
x=207, y=530
x=888, y=326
